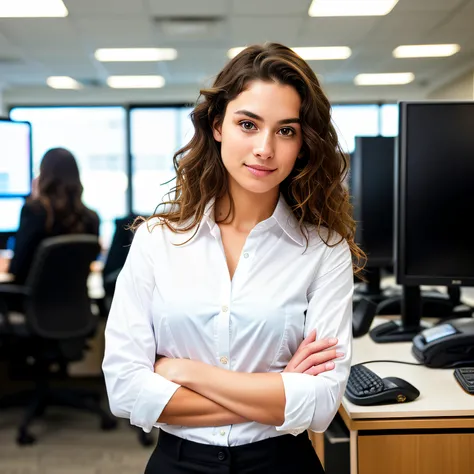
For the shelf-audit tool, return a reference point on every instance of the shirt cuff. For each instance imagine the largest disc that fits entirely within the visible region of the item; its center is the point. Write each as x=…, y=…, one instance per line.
x=300, y=403
x=155, y=394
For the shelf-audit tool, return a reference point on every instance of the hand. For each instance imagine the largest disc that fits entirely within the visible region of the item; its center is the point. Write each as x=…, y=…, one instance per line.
x=168, y=368
x=312, y=356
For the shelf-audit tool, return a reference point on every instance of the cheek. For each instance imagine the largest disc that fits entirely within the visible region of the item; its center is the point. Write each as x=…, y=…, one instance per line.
x=289, y=153
x=234, y=147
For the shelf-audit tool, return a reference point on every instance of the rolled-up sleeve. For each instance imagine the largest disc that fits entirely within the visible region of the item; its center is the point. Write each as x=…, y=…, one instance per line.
x=133, y=389
x=312, y=401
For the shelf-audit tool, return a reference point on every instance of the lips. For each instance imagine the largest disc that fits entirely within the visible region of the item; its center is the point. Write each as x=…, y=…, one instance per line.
x=259, y=171
x=260, y=167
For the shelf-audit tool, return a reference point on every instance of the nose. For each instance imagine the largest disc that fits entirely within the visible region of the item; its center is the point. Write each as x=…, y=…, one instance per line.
x=264, y=148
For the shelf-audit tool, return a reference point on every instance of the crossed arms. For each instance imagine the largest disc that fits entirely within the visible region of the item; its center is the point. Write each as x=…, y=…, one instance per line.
x=211, y=396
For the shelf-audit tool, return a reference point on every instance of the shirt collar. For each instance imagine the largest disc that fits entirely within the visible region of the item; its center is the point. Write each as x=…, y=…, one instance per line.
x=282, y=216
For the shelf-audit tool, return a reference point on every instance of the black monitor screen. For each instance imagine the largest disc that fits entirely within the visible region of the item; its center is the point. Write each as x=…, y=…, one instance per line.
x=438, y=189
x=372, y=183
x=15, y=158
x=10, y=210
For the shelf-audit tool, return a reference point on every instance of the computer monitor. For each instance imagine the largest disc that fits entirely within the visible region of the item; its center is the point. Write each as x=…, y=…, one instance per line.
x=15, y=158
x=372, y=191
x=434, y=206
x=10, y=211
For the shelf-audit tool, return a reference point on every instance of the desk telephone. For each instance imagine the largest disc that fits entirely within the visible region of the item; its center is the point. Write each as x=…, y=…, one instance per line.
x=446, y=345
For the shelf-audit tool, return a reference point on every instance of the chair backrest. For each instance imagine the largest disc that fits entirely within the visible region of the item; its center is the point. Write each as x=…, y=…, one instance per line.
x=58, y=305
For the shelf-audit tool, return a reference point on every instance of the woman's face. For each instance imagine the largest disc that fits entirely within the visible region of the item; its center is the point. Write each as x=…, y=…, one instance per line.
x=261, y=136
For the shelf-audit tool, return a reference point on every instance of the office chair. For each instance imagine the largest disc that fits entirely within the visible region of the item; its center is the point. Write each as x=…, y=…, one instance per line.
x=58, y=320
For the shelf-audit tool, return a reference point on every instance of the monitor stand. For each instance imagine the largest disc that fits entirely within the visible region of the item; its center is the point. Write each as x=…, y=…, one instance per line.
x=371, y=287
x=410, y=324
x=395, y=331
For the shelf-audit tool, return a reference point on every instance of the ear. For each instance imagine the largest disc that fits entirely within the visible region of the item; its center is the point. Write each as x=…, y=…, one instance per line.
x=217, y=130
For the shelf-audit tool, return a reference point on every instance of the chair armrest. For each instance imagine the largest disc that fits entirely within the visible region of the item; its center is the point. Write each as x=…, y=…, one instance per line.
x=10, y=289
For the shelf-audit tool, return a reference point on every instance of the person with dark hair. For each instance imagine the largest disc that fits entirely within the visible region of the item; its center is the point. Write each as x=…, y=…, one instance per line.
x=230, y=327
x=54, y=208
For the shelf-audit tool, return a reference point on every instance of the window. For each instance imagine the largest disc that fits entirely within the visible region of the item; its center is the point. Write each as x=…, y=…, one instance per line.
x=155, y=134
x=96, y=137
x=389, y=120
x=355, y=120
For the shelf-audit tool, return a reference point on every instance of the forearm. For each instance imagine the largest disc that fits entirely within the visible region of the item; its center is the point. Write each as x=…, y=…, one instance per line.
x=188, y=408
x=257, y=397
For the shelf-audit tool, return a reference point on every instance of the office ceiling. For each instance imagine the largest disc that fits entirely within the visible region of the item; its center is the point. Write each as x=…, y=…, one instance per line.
x=33, y=49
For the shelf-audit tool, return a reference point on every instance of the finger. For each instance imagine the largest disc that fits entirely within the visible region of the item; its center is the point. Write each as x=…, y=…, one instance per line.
x=317, y=359
x=312, y=348
x=319, y=369
x=311, y=337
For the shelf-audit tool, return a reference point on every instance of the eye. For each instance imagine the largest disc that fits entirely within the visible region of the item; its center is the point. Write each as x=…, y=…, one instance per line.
x=287, y=132
x=246, y=125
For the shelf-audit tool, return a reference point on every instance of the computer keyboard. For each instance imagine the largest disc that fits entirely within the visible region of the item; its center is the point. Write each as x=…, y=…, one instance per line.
x=363, y=382
x=364, y=387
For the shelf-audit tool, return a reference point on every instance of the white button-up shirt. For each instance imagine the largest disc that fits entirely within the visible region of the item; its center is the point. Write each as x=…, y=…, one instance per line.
x=179, y=302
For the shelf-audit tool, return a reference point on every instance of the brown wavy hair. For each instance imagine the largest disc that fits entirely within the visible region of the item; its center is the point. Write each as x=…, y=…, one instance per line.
x=60, y=191
x=314, y=189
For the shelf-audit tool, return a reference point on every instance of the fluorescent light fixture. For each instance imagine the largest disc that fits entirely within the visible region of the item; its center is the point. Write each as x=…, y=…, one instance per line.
x=233, y=52
x=63, y=82
x=32, y=9
x=309, y=53
x=135, y=82
x=135, y=54
x=323, y=53
x=351, y=7
x=386, y=79
x=426, y=50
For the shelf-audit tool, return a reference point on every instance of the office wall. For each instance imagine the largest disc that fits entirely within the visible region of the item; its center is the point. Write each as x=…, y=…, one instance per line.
x=338, y=93
x=3, y=111
x=461, y=88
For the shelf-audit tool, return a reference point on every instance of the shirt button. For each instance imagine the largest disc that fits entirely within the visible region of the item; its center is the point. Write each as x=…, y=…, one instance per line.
x=246, y=255
x=222, y=433
x=224, y=360
x=225, y=309
x=221, y=455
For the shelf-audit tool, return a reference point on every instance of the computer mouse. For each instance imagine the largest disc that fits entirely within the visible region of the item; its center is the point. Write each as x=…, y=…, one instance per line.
x=404, y=388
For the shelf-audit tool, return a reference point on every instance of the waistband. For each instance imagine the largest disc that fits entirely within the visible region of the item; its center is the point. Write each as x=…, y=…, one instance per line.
x=277, y=446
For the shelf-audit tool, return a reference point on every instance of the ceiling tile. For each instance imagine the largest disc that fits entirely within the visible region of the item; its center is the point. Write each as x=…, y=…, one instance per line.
x=106, y=8
x=248, y=30
x=188, y=7
x=334, y=31
x=132, y=69
x=35, y=34
x=270, y=7
x=403, y=29
x=116, y=33
x=425, y=6
x=7, y=50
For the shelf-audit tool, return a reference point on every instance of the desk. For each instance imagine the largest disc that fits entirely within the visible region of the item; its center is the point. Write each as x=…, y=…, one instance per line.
x=431, y=435
x=94, y=282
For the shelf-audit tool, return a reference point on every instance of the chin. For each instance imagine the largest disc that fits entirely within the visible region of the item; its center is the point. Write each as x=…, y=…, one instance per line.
x=258, y=187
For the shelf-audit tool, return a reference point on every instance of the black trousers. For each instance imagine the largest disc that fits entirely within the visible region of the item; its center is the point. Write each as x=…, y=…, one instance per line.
x=286, y=454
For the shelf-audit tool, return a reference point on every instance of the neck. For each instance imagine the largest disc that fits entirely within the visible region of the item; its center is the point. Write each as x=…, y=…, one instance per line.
x=249, y=208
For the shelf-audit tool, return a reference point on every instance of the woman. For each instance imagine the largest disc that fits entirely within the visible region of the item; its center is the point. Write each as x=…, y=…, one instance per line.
x=230, y=327
x=54, y=208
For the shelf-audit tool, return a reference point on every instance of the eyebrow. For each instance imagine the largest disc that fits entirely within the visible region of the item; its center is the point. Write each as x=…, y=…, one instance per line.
x=257, y=117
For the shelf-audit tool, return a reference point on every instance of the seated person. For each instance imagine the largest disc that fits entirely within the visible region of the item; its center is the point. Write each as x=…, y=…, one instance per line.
x=54, y=208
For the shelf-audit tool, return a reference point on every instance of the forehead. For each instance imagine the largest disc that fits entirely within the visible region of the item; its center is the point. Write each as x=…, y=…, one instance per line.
x=268, y=98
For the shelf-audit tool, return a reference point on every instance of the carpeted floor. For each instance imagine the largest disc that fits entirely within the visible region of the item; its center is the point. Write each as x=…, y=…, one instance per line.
x=71, y=443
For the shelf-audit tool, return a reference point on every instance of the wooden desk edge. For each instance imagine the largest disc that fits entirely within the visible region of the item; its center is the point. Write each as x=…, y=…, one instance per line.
x=406, y=423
